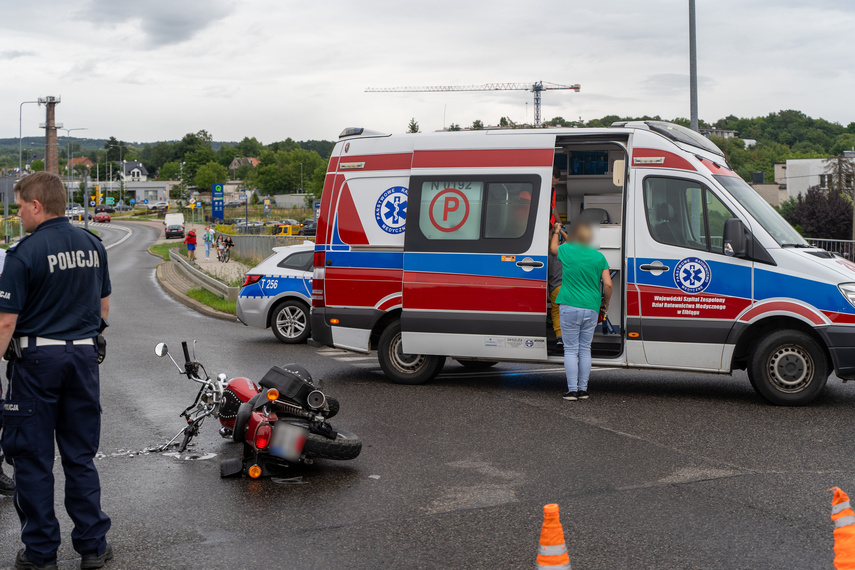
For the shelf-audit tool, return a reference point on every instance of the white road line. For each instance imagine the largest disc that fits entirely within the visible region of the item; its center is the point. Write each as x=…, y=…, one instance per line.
x=126, y=230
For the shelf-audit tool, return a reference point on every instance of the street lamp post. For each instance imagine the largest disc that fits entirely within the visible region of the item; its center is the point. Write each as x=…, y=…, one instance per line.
x=121, y=148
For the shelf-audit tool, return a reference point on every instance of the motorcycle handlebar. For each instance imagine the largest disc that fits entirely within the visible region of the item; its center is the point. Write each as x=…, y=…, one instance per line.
x=186, y=352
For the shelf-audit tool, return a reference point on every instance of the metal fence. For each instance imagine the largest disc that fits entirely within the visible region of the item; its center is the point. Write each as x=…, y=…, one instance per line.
x=256, y=248
x=845, y=248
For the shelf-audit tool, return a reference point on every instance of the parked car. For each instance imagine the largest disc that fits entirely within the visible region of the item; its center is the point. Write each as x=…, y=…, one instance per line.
x=277, y=293
x=290, y=222
x=310, y=228
x=102, y=217
x=174, y=231
x=122, y=207
x=161, y=205
x=232, y=204
x=103, y=208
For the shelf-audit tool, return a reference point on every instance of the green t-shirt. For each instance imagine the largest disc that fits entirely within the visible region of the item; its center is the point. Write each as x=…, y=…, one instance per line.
x=582, y=271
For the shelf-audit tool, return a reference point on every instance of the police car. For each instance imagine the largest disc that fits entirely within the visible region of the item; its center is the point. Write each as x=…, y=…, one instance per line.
x=278, y=293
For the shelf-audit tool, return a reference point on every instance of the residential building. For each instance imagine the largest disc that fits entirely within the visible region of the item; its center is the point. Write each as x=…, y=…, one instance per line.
x=133, y=171
x=720, y=133
x=79, y=161
x=238, y=162
x=803, y=173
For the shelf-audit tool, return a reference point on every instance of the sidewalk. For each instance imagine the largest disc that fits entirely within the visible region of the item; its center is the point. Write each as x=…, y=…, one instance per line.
x=176, y=284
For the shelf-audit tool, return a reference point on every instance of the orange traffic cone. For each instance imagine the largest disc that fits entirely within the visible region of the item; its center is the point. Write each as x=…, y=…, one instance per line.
x=844, y=530
x=552, y=552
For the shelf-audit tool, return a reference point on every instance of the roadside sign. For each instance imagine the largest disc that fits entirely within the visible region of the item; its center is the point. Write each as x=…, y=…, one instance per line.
x=217, y=210
x=145, y=201
x=192, y=205
x=317, y=206
x=132, y=201
x=110, y=201
x=243, y=196
x=92, y=203
x=192, y=201
x=267, y=202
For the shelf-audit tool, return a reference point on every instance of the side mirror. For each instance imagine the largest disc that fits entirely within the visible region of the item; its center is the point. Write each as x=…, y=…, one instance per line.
x=161, y=349
x=735, y=240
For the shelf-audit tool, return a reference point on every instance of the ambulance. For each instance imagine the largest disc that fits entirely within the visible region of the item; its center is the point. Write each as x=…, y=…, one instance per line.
x=435, y=245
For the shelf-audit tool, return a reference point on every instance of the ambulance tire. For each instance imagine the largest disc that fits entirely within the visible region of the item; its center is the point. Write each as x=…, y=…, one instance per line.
x=788, y=368
x=402, y=368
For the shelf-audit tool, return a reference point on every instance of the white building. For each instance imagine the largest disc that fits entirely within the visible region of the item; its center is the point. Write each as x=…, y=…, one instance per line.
x=133, y=171
x=802, y=173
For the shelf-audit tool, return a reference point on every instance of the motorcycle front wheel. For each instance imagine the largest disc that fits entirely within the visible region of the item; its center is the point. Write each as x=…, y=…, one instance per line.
x=345, y=446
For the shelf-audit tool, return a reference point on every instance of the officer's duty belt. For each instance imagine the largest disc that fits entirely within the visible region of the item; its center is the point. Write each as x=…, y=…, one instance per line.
x=41, y=341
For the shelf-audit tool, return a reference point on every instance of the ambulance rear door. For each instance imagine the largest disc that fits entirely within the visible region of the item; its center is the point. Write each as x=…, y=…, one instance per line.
x=475, y=253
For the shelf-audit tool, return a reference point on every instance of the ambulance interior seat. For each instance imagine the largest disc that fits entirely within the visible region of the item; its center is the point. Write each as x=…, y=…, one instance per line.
x=595, y=216
x=663, y=230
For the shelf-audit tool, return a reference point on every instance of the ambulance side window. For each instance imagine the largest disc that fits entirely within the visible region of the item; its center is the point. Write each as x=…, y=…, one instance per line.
x=684, y=213
x=472, y=213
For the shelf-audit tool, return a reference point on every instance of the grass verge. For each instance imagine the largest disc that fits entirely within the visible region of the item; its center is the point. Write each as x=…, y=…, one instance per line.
x=162, y=249
x=208, y=298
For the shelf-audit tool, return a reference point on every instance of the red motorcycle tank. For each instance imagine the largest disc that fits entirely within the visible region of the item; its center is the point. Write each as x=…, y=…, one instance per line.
x=237, y=391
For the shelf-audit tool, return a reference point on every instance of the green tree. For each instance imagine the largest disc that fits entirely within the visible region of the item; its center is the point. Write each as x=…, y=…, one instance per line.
x=413, y=126
x=169, y=171
x=243, y=171
x=249, y=147
x=195, y=159
x=115, y=149
x=209, y=174
x=37, y=165
x=254, y=200
x=226, y=154
x=192, y=142
x=477, y=125
x=287, y=144
x=454, y=127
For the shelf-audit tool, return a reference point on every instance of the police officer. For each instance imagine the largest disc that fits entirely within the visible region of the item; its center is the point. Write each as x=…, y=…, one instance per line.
x=54, y=293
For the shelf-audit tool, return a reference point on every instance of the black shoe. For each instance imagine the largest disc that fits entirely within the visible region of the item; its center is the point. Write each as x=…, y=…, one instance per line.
x=97, y=561
x=21, y=563
x=571, y=396
x=559, y=344
x=583, y=394
x=7, y=486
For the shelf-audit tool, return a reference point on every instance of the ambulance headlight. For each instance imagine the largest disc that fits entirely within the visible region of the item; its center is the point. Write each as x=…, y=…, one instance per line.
x=848, y=291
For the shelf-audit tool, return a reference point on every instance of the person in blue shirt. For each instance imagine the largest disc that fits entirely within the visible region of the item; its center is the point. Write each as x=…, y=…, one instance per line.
x=54, y=299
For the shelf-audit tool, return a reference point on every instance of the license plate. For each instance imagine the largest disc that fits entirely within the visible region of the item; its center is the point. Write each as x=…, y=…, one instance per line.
x=288, y=441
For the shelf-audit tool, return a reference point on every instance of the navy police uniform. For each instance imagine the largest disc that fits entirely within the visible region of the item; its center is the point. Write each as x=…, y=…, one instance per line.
x=54, y=280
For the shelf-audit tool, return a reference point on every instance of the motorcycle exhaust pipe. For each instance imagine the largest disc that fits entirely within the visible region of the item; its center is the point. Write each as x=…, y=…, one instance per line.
x=316, y=399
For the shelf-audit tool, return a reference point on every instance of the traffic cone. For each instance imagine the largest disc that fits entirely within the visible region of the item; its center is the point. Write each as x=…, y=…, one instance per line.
x=552, y=552
x=844, y=530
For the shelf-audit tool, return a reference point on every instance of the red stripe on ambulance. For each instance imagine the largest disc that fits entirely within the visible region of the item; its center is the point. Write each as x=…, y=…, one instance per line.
x=456, y=292
x=397, y=161
x=360, y=287
x=670, y=160
x=763, y=309
x=531, y=157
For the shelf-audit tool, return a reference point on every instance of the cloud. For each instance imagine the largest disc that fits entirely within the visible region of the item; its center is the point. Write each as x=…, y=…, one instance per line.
x=159, y=22
x=668, y=83
x=15, y=53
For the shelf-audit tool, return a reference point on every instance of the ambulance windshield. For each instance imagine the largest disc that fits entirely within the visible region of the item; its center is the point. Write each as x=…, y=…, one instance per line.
x=764, y=214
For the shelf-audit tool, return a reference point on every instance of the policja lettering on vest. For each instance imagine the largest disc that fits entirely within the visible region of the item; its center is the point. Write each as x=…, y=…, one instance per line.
x=71, y=259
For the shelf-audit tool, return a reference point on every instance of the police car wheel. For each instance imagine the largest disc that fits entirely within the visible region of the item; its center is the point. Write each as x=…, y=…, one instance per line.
x=290, y=322
x=401, y=367
x=788, y=368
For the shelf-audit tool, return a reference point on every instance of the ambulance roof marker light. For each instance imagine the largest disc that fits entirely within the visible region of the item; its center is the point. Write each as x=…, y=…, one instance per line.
x=361, y=132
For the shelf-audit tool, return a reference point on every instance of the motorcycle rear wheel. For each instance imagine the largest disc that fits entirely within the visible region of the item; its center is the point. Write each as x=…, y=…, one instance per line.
x=345, y=446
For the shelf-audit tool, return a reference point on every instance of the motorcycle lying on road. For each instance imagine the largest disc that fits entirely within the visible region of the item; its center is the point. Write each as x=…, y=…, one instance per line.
x=282, y=420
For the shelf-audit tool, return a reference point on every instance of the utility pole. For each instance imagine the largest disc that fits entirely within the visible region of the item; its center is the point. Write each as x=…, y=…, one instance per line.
x=693, y=67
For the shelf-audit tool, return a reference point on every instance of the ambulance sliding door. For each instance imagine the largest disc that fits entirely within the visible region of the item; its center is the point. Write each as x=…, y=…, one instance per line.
x=475, y=268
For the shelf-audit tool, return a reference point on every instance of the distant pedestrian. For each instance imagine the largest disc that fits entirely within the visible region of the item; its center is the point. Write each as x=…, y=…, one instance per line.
x=190, y=241
x=581, y=298
x=208, y=238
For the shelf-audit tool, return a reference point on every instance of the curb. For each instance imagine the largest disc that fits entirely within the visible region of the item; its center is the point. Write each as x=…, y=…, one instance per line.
x=178, y=295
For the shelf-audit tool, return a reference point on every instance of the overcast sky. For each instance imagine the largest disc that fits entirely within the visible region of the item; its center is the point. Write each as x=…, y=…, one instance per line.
x=157, y=69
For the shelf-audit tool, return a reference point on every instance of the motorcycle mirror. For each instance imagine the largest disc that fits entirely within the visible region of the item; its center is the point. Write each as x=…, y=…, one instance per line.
x=161, y=350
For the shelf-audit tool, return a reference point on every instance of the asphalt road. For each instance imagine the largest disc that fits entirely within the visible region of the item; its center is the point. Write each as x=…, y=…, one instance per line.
x=657, y=470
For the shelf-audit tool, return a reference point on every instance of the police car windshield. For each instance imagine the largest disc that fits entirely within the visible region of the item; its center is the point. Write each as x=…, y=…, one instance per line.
x=765, y=215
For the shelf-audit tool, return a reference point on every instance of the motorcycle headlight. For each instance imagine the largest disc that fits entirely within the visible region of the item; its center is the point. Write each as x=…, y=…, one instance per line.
x=848, y=291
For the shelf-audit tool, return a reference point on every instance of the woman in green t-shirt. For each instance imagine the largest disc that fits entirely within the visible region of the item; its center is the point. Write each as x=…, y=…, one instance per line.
x=581, y=298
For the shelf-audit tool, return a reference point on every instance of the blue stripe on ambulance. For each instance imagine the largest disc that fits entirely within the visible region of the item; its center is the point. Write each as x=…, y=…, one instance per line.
x=819, y=294
x=487, y=265
x=728, y=279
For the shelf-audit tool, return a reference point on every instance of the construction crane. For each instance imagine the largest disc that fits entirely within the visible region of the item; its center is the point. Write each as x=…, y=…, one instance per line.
x=537, y=88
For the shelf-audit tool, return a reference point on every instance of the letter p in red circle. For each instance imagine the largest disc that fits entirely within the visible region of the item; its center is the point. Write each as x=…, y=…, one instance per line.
x=449, y=201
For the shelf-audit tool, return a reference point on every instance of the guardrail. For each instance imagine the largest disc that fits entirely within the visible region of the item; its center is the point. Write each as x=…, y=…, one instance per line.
x=216, y=287
x=843, y=247
x=257, y=248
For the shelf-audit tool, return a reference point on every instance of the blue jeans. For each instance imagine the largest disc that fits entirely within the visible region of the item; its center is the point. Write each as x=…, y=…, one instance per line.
x=207, y=249
x=577, y=331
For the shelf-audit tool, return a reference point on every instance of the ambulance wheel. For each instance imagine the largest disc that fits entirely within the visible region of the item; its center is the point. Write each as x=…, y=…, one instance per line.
x=477, y=364
x=788, y=368
x=401, y=367
x=290, y=322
